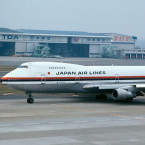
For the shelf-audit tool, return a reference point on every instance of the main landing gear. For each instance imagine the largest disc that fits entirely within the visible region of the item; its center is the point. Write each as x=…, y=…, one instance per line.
x=30, y=99
x=101, y=97
x=129, y=100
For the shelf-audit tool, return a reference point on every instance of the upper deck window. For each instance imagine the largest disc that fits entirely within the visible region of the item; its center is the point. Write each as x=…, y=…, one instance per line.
x=56, y=67
x=23, y=66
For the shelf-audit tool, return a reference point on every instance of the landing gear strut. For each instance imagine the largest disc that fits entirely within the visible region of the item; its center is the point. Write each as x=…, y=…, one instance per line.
x=30, y=99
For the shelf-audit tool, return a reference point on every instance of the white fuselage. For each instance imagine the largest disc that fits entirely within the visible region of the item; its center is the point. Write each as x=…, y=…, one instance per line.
x=52, y=77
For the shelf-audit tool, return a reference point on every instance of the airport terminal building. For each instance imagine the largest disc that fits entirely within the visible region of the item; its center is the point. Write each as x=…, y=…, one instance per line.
x=62, y=43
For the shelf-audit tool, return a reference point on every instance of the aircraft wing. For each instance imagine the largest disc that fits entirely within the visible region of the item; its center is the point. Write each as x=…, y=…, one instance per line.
x=113, y=86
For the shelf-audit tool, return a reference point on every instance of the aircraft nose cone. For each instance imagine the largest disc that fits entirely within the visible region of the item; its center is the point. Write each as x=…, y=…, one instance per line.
x=2, y=79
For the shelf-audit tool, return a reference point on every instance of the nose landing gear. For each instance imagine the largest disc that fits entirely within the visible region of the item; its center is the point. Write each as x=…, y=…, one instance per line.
x=30, y=99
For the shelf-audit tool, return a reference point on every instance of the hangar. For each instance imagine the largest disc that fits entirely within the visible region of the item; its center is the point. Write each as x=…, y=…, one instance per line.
x=62, y=43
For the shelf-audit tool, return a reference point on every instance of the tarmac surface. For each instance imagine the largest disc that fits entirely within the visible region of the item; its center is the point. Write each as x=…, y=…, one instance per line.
x=16, y=61
x=70, y=119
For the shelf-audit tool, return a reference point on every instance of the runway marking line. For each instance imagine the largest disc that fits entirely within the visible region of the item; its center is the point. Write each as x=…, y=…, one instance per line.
x=6, y=125
x=8, y=94
x=103, y=120
x=56, y=122
x=75, y=95
x=81, y=121
x=31, y=124
x=124, y=119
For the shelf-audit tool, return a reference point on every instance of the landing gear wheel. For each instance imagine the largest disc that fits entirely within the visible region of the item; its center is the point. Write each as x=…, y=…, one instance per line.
x=30, y=100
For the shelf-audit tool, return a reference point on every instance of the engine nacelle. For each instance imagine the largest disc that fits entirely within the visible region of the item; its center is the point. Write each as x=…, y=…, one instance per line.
x=122, y=94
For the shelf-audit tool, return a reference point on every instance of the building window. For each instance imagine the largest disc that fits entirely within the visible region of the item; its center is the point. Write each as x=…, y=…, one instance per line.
x=98, y=39
x=32, y=37
x=103, y=39
x=89, y=39
x=42, y=38
x=37, y=37
x=48, y=38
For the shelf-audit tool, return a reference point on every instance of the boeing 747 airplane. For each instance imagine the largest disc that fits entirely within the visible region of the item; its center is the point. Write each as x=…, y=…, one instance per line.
x=119, y=82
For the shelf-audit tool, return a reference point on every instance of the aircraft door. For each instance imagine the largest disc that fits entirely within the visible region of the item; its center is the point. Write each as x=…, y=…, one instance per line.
x=29, y=69
x=116, y=78
x=77, y=79
x=43, y=79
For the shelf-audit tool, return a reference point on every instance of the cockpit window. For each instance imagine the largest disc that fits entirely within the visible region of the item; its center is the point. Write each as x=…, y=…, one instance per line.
x=23, y=66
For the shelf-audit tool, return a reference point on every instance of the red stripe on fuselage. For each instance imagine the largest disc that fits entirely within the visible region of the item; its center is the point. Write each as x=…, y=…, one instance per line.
x=61, y=78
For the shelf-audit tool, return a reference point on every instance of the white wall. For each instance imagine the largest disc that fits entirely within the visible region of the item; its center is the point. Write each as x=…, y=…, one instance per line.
x=124, y=46
x=94, y=51
x=20, y=47
x=31, y=46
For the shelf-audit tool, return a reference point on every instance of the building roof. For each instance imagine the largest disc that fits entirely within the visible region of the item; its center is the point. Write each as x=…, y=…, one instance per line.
x=55, y=32
x=6, y=30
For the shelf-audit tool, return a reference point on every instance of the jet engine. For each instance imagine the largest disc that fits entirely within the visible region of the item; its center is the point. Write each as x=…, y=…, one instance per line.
x=122, y=94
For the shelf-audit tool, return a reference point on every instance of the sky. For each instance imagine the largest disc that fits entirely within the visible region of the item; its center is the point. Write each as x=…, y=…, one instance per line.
x=97, y=16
